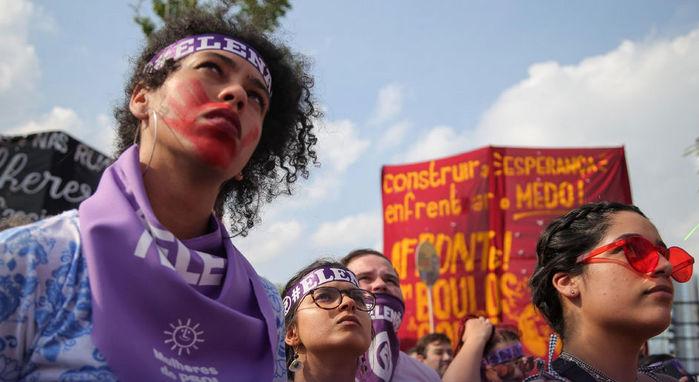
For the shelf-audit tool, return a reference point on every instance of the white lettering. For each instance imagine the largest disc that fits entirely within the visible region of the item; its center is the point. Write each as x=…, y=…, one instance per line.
x=237, y=48
x=184, y=48
x=56, y=141
x=321, y=276
x=89, y=158
x=204, y=43
x=210, y=263
x=182, y=263
x=143, y=244
x=341, y=274
x=35, y=182
x=309, y=282
x=179, y=366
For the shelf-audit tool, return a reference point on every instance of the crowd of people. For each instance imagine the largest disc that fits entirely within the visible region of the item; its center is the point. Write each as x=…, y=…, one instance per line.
x=142, y=282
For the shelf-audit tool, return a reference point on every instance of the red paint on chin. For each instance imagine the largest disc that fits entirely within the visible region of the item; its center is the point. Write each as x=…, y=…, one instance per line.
x=216, y=144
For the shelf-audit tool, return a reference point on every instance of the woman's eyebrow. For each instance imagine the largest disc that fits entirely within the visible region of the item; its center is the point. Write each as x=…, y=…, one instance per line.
x=362, y=274
x=659, y=242
x=254, y=81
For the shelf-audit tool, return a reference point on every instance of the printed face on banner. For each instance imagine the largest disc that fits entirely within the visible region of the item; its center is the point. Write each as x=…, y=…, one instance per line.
x=212, y=108
x=483, y=212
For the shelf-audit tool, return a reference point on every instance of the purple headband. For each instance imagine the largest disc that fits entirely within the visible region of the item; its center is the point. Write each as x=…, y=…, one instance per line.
x=211, y=41
x=504, y=355
x=312, y=280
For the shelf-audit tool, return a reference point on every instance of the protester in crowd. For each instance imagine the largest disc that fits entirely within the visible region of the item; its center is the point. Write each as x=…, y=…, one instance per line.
x=668, y=365
x=412, y=352
x=142, y=282
x=603, y=283
x=385, y=360
x=488, y=353
x=434, y=350
x=328, y=327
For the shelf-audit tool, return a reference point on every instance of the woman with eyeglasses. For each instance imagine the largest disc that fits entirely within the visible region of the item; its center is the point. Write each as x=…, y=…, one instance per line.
x=604, y=282
x=327, y=323
x=488, y=353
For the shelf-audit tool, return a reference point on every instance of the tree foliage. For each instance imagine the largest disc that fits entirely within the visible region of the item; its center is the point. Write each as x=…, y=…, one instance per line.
x=264, y=14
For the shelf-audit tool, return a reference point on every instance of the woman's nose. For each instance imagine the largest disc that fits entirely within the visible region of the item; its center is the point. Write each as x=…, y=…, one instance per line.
x=234, y=94
x=378, y=285
x=664, y=267
x=346, y=302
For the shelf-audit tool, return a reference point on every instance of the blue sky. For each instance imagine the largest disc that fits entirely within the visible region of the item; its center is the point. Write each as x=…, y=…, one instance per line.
x=404, y=81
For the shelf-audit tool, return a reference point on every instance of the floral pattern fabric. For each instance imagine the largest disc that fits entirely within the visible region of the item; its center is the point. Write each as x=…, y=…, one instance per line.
x=46, y=307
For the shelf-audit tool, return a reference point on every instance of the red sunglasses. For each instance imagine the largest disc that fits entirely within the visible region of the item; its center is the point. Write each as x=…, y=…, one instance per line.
x=643, y=257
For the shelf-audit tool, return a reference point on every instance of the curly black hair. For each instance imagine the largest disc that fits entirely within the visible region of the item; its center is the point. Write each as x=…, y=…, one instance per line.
x=558, y=249
x=286, y=147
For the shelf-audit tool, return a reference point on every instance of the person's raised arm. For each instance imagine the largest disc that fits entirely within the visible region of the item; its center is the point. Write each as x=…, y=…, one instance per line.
x=466, y=365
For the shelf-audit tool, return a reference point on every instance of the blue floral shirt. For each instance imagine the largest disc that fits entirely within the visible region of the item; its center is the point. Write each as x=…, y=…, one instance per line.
x=46, y=308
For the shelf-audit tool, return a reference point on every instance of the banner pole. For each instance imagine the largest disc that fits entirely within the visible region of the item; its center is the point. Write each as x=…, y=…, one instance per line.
x=429, y=307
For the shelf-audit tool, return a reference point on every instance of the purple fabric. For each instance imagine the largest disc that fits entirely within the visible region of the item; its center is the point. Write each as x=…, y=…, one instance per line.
x=212, y=41
x=150, y=318
x=504, y=355
x=312, y=280
x=382, y=357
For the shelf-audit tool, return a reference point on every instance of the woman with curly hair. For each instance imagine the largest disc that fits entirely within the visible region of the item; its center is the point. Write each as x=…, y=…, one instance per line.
x=142, y=282
x=603, y=281
x=328, y=328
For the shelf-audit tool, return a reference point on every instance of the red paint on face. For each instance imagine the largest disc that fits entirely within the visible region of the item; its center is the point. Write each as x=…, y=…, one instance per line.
x=217, y=140
x=251, y=137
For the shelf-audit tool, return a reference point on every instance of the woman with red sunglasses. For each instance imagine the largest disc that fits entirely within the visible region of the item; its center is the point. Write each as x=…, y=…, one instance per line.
x=603, y=282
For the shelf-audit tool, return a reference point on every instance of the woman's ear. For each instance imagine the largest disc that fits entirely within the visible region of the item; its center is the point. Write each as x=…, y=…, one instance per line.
x=565, y=284
x=138, y=104
x=292, y=337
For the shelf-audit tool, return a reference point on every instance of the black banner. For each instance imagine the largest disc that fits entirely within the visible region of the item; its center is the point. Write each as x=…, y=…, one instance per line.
x=46, y=173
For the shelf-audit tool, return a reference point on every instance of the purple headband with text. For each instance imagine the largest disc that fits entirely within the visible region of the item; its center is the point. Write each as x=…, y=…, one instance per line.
x=313, y=279
x=504, y=355
x=211, y=41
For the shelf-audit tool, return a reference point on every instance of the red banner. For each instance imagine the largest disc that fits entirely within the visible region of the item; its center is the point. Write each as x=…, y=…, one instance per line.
x=483, y=211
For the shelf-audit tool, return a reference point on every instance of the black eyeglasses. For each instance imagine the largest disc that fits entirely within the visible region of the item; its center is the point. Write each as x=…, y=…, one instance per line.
x=330, y=298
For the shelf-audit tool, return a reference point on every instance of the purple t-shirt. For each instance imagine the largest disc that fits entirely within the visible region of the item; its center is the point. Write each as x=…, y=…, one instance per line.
x=411, y=370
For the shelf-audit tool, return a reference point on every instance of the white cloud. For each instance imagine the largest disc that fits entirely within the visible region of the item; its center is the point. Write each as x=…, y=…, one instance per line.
x=104, y=133
x=349, y=231
x=270, y=241
x=338, y=145
x=99, y=136
x=19, y=66
x=394, y=135
x=389, y=103
x=58, y=118
x=640, y=95
x=438, y=142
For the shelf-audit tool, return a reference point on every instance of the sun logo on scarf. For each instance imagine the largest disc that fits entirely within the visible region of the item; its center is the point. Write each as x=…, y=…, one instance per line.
x=183, y=336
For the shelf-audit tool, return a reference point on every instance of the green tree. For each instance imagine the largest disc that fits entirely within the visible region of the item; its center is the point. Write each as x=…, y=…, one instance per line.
x=264, y=14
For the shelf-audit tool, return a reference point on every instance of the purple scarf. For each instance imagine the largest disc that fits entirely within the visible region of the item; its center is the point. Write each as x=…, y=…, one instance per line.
x=383, y=352
x=152, y=319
